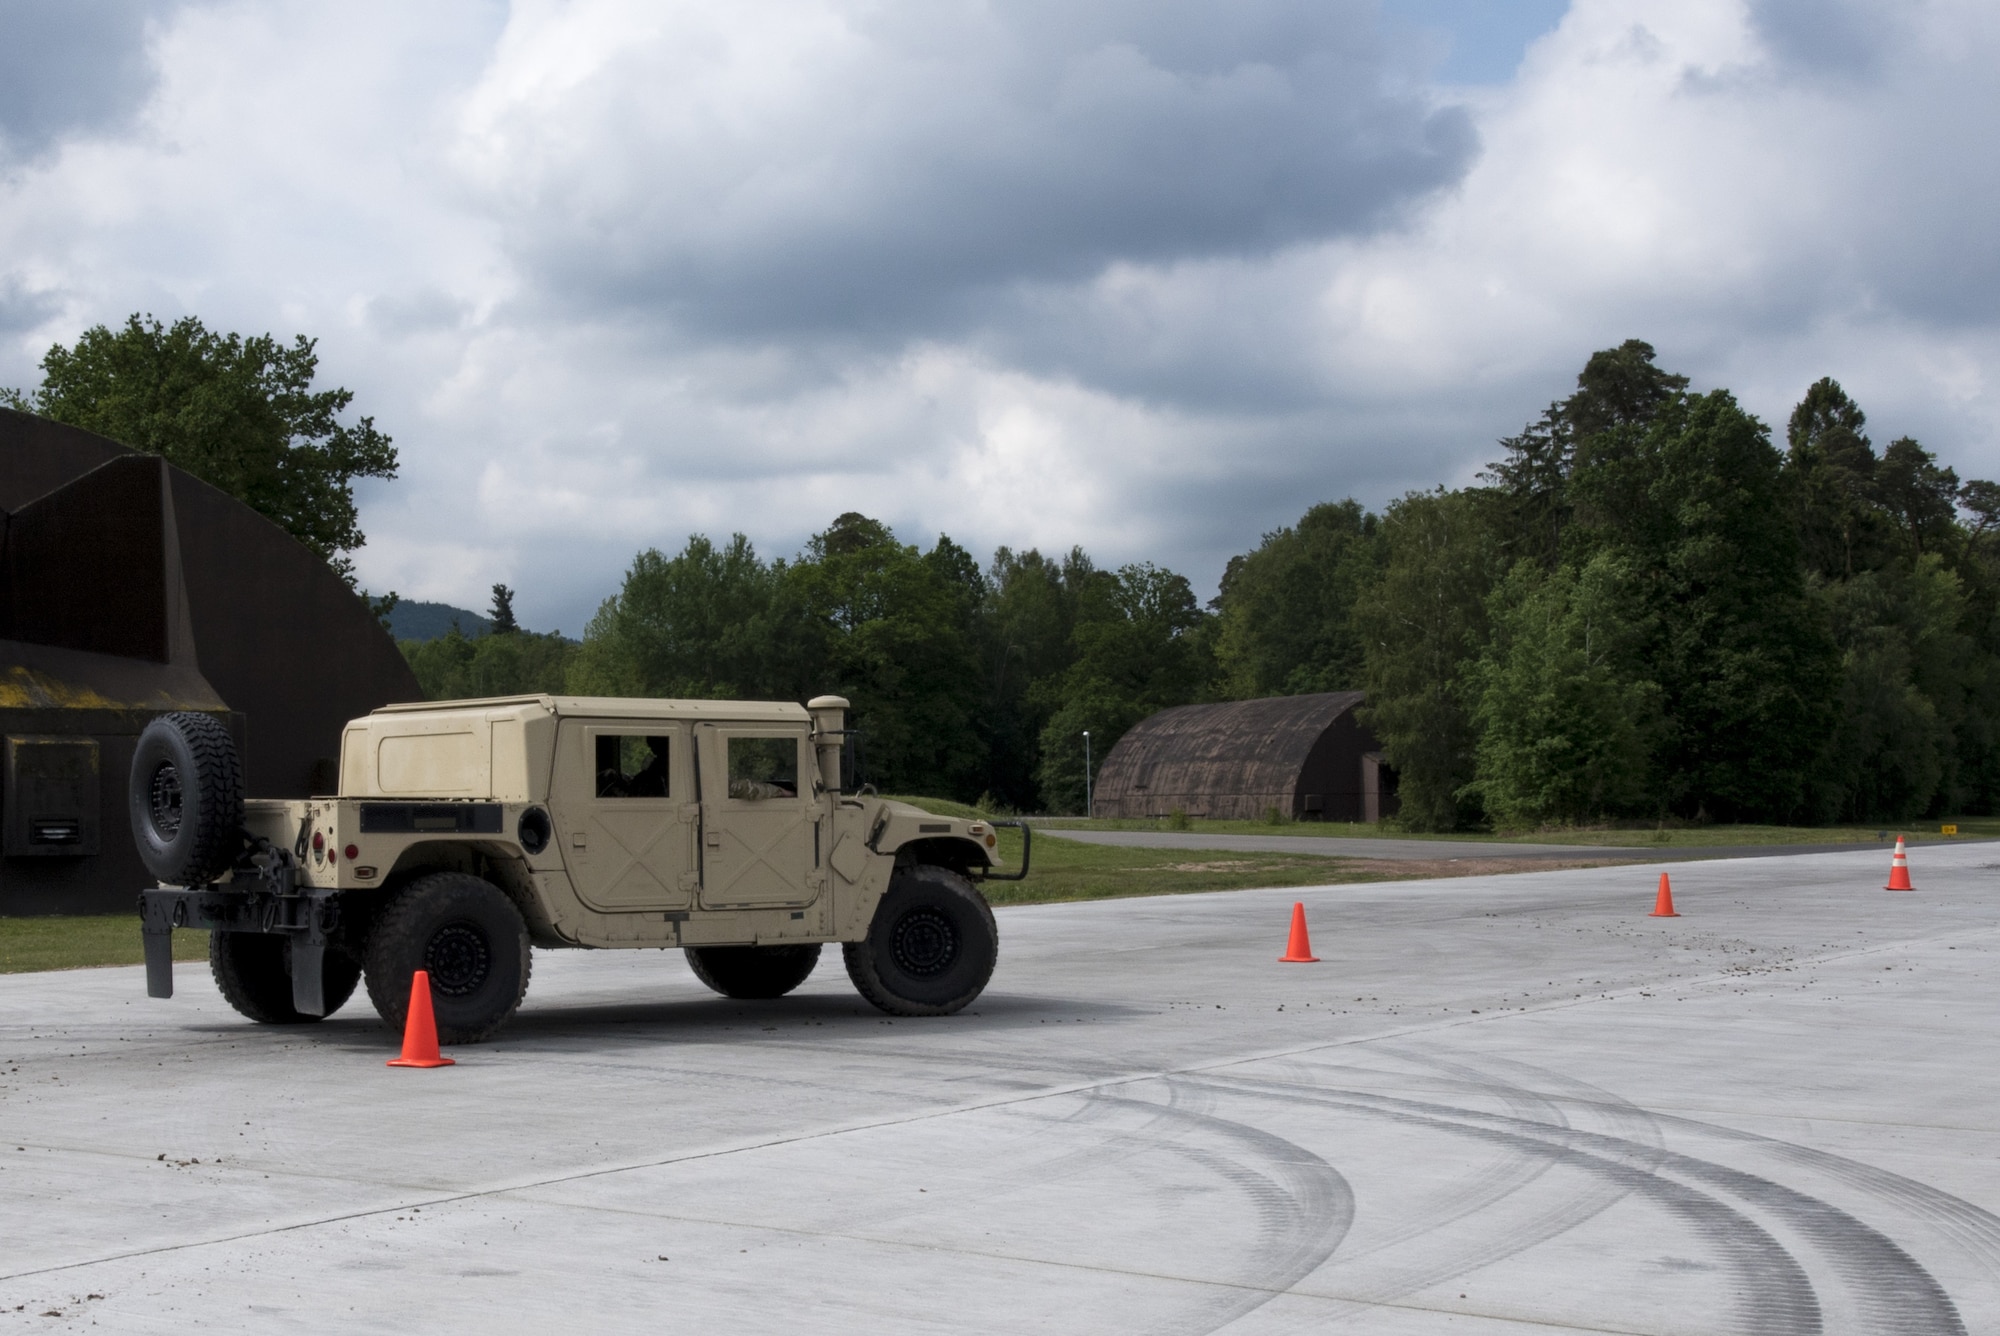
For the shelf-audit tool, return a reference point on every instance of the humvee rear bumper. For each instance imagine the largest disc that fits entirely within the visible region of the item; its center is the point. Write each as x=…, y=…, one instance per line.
x=308, y=915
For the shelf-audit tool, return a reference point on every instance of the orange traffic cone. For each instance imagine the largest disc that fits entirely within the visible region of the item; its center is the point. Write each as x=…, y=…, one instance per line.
x=1663, y=904
x=420, y=1031
x=1299, y=950
x=1899, y=870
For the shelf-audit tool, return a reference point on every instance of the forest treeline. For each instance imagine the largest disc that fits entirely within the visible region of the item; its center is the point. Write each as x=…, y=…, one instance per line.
x=1646, y=609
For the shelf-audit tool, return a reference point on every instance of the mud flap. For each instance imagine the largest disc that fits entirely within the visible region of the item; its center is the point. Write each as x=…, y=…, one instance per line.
x=159, y=960
x=308, y=969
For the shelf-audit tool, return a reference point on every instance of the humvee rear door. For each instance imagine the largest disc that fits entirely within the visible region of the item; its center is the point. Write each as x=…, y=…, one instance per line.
x=757, y=814
x=624, y=806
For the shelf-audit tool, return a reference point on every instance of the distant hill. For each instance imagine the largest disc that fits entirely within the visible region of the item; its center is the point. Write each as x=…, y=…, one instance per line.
x=413, y=620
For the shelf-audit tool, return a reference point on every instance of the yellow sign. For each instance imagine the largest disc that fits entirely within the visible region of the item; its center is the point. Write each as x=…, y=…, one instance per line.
x=1947, y=830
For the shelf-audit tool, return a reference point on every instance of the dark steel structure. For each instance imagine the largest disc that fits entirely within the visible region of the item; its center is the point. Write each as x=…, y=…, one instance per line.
x=129, y=588
x=1306, y=756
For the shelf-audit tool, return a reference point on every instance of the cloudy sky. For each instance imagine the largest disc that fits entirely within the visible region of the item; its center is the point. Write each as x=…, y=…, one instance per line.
x=1151, y=276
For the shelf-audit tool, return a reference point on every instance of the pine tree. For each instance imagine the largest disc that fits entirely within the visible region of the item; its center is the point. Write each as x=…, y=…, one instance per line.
x=502, y=616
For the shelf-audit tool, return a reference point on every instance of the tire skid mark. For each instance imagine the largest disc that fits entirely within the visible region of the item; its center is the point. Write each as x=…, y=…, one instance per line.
x=1531, y=1229
x=1515, y=1173
x=1626, y=1119
x=1774, y=1297
x=1304, y=1205
x=1974, y=1230
x=1892, y=1292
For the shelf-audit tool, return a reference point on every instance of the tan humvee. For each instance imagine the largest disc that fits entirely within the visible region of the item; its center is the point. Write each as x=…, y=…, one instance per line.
x=466, y=831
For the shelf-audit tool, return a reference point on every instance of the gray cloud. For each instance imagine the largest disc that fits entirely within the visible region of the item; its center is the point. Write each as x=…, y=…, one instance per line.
x=1840, y=38
x=949, y=155
x=73, y=65
x=22, y=309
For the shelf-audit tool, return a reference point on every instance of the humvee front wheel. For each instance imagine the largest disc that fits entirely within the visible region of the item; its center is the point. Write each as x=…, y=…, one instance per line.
x=471, y=939
x=753, y=973
x=253, y=973
x=931, y=947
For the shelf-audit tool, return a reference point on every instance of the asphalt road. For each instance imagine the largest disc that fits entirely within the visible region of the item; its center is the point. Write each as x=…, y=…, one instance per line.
x=1338, y=846
x=1497, y=1105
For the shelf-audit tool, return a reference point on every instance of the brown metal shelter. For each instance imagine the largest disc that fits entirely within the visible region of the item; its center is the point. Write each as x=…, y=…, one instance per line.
x=1306, y=756
x=129, y=588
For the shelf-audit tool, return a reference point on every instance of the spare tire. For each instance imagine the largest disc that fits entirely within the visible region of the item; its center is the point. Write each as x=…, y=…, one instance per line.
x=186, y=798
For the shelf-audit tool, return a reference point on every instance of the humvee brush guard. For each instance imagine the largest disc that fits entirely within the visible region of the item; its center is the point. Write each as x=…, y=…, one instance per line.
x=466, y=831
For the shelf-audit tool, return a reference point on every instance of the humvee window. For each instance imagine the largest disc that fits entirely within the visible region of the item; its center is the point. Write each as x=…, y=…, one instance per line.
x=630, y=766
x=763, y=768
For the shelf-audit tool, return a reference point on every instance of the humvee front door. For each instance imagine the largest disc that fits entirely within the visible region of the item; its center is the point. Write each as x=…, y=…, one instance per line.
x=624, y=807
x=757, y=816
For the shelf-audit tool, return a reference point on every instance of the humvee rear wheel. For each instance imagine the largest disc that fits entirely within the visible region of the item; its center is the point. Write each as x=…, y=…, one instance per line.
x=471, y=939
x=753, y=972
x=253, y=973
x=931, y=947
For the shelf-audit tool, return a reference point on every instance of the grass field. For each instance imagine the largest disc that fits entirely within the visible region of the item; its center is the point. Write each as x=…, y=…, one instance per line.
x=1627, y=837
x=81, y=941
x=1068, y=870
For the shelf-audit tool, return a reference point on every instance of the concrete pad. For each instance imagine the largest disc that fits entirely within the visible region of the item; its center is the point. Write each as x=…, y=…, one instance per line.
x=1500, y=1104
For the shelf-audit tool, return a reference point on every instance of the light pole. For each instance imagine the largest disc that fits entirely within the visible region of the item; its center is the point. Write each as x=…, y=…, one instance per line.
x=1087, y=808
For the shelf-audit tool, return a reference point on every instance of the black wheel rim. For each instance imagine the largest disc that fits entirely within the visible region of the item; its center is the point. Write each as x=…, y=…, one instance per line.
x=459, y=959
x=924, y=943
x=163, y=801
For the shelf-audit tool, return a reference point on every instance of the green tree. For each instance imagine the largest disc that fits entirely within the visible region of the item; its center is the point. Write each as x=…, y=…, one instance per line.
x=236, y=412
x=1138, y=650
x=457, y=667
x=1919, y=497
x=1618, y=388
x=891, y=629
x=1830, y=468
x=1693, y=503
x=699, y=624
x=1025, y=639
x=1286, y=610
x=502, y=617
x=1566, y=720
x=1422, y=623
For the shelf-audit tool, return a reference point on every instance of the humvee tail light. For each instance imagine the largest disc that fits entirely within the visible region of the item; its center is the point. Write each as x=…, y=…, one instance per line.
x=352, y=853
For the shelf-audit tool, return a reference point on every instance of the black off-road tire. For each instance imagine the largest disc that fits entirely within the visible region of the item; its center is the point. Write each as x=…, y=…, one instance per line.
x=186, y=798
x=471, y=938
x=753, y=973
x=253, y=972
x=931, y=947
